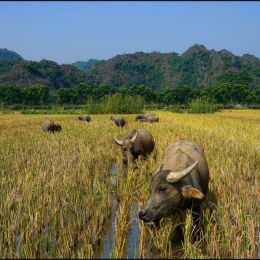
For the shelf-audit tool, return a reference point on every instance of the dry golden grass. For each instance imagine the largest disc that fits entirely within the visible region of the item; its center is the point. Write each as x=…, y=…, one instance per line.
x=56, y=188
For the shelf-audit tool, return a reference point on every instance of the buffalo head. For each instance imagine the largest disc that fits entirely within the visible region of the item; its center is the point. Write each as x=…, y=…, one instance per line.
x=126, y=146
x=168, y=194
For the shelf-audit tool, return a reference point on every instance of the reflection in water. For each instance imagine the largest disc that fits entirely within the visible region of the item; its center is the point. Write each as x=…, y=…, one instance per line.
x=109, y=238
x=108, y=241
x=18, y=242
x=106, y=248
x=134, y=233
x=113, y=173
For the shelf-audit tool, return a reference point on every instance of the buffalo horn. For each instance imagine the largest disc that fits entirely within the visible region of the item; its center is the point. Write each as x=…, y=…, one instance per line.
x=118, y=141
x=133, y=138
x=177, y=176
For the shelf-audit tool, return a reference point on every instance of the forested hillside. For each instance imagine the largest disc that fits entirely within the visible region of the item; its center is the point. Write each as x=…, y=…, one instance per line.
x=7, y=55
x=85, y=65
x=197, y=67
x=48, y=73
x=165, y=78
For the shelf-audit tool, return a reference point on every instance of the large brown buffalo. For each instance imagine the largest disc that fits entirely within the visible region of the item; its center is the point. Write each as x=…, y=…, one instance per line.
x=50, y=126
x=180, y=182
x=119, y=120
x=138, y=142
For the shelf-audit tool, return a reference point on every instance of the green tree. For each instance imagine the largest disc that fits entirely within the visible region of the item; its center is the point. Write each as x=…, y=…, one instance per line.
x=64, y=96
x=10, y=94
x=35, y=95
x=253, y=97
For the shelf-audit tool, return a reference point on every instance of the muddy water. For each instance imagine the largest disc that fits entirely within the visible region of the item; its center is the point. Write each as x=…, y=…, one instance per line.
x=18, y=242
x=105, y=251
x=113, y=173
x=109, y=239
x=132, y=243
x=106, y=248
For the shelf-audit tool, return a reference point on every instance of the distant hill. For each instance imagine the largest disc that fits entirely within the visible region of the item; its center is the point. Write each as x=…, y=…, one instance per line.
x=45, y=72
x=7, y=55
x=85, y=65
x=197, y=67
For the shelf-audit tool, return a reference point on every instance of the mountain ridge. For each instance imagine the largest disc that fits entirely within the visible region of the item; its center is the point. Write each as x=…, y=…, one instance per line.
x=197, y=67
x=8, y=55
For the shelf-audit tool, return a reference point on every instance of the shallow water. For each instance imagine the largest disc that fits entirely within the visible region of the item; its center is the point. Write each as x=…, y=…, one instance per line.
x=106, y=248
x=132, y=244
x=113, y=173
x=109, y=238
x=18, y=242
x=107, y=244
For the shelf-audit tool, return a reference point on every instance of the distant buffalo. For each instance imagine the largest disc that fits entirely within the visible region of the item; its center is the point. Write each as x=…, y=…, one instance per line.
x=119, y=120
x=85, y=118
x=138, y=142
x=50, y=126
x=147, y=118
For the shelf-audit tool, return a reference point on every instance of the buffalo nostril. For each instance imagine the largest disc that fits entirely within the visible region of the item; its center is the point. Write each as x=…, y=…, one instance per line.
x=141, y=214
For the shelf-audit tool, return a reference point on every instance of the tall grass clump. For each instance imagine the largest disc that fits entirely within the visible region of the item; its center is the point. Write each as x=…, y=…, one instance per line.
x=116, y=104
x=202, y=105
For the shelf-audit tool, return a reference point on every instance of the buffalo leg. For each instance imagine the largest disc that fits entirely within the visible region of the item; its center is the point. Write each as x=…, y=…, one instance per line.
x=196, y=216
x=134, y=162
x=125, y=167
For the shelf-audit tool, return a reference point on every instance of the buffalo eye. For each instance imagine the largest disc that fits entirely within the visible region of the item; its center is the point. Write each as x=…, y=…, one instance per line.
x=162, y=188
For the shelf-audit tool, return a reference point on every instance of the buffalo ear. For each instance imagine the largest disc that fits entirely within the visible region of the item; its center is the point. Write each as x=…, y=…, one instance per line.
x=192, y=193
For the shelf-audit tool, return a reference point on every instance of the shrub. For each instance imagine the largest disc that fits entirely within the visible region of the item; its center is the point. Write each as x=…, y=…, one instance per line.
x=202, y=105
x=116, y=104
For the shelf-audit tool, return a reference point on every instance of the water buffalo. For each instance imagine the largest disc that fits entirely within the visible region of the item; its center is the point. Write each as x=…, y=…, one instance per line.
x=50, y=126
x=147, y=118
x=85, y=118
x=180, y=182
x=119, y=120
x=138, y=142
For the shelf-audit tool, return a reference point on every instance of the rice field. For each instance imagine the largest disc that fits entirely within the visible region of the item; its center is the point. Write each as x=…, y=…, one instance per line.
x=63, y=195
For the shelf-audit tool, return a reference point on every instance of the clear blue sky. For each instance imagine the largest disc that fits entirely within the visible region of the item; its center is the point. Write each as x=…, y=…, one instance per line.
x=70, y=31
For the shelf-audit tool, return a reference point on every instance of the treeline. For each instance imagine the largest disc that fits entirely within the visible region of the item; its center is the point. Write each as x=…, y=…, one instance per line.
x=226, y=92
x=32, y=95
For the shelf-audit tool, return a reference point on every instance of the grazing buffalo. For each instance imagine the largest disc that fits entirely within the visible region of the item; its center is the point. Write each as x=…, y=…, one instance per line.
x=180, y=182
x=137, y=142
x=119, y=120
x=147, y=118
x=50, y=126
x=85, y=118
